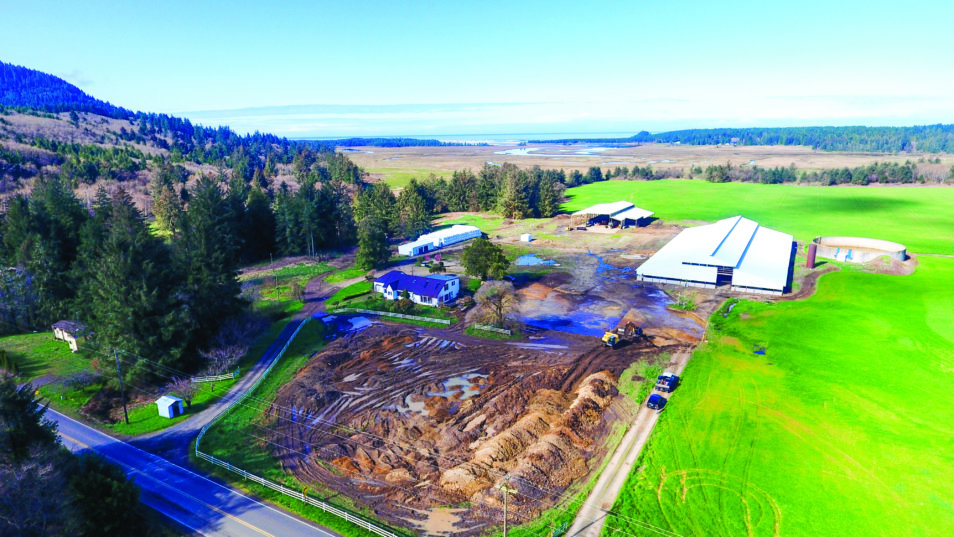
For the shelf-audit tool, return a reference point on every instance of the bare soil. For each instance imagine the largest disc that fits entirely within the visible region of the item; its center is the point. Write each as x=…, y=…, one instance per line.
x=408, y=419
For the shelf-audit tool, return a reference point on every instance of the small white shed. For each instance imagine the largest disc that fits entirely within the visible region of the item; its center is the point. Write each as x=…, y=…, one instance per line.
x=526, y=237
x=169, y=406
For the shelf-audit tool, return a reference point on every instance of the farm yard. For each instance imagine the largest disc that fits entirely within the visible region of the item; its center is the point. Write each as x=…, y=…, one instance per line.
x=343, y=416
x=789, y=409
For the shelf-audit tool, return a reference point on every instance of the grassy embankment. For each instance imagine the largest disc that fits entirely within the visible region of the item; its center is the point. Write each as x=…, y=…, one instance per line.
x=918, y=217
x=240, y=438
x=843, y=426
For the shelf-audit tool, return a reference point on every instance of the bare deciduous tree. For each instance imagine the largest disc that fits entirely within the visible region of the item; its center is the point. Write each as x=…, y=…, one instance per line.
x=184, y=388
x=497, y=301
x=231, y=343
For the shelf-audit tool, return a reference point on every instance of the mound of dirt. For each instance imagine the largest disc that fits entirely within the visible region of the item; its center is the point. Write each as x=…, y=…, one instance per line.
x=408, y=420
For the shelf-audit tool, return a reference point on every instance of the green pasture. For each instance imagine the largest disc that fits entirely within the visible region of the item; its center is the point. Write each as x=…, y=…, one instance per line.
x=346, y=274
x=843, y=427
x=39, y=355
x=486, y=223
x=918, y=217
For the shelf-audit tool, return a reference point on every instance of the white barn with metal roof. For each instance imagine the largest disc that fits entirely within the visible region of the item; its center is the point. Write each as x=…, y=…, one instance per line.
x=735, y=251
x=438, y=239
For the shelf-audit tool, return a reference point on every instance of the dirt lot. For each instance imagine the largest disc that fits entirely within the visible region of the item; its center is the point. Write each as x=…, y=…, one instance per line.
x=411, y=420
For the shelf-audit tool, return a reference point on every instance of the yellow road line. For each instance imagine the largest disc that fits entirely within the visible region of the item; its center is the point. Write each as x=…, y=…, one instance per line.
x=166, y=485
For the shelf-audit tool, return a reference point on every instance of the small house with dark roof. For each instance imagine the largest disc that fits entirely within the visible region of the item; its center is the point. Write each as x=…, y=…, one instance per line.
x=72, y=332
x=425, y=290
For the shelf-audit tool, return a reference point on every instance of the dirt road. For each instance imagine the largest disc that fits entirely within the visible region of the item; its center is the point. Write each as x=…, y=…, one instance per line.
x=589, y=521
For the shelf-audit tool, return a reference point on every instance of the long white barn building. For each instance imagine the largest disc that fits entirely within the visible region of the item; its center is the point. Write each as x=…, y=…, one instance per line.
x=438, y=239
x=735, y=251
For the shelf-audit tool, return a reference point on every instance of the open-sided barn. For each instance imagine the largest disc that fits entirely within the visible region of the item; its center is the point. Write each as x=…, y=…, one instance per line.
x=735, y=251
x=622, y=213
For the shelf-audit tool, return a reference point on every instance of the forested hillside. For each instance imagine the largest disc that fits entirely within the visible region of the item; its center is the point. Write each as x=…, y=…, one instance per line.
x=925, y=138
x=136, y=223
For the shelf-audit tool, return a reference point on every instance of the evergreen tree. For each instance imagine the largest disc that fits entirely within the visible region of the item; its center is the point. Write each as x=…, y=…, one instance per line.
x=488, y=187
x=412, y=208
x=103, y=497
x=379, y=202
x=258, y=227
x=513, y=202
x=166, y=205
x=549, y=202
x=131, y=292
x=206, y=256
x=373, y=248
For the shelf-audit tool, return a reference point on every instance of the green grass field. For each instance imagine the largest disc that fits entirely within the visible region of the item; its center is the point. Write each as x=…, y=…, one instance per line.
x=346, y=274
x=39, y=355
x=351, y=291
x=487, y=224
x=843, y=427
x=918, y=217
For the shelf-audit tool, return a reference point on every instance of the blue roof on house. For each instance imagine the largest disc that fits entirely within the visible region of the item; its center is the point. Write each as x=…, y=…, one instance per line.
x=390, y=277
x=429, y=286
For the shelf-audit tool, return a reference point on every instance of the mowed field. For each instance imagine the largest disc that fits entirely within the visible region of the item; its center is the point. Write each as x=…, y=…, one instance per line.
x=844, y=425
x=921, y=218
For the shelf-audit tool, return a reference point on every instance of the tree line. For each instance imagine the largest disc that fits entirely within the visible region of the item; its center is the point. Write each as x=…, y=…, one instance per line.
x=874, y=173
x=937, y=138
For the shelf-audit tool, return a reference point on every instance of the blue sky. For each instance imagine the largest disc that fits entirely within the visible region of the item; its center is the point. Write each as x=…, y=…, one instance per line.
x=387, y=68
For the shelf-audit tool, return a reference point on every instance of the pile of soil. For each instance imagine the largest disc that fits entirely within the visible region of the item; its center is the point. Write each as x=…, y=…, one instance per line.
x=408, y=419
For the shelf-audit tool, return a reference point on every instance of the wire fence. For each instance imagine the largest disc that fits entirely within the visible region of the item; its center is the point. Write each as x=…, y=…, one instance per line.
x=278, y=487
x=390, y=314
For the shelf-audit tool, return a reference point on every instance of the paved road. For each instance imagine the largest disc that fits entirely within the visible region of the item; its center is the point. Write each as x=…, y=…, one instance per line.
x=173, y=442
x=190, y=499
x=592, y=515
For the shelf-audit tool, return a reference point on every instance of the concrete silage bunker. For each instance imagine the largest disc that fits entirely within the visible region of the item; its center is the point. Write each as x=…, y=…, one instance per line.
x=858, y=249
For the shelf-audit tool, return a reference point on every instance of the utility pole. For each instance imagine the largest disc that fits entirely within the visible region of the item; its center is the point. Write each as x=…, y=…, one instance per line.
x=505, y=487
x=122, y=391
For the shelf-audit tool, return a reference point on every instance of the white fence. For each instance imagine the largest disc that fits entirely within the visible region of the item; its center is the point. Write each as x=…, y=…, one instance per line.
x=389, y=314
x=278, y=487
x=492, y=329
x=215, y=378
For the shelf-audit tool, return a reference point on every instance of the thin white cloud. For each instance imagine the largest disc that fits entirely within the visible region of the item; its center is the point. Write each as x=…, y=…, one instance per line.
x=632, y=115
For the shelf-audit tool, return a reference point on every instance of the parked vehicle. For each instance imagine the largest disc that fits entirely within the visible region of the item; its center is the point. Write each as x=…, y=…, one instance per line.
x=667, y=382
x=656, y=402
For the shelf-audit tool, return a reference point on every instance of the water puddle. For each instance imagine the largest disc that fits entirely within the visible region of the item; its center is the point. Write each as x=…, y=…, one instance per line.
x=469, y=385
x=530, y=260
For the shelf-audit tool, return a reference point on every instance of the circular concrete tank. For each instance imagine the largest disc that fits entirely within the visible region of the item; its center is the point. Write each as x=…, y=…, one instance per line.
x=858, y=249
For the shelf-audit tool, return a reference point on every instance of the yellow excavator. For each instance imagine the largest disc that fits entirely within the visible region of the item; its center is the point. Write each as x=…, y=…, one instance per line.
x=627, y=332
